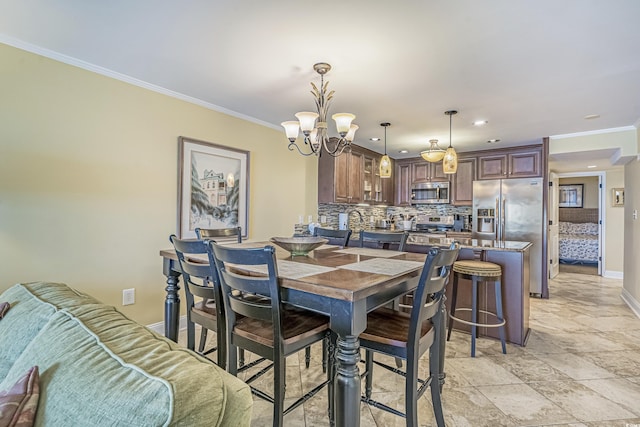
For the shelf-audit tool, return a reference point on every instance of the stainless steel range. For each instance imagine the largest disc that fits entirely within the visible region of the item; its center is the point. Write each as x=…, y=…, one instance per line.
x=430, y=227
x=434, y=224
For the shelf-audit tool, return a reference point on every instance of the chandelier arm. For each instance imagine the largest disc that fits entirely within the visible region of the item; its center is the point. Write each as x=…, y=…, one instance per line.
x=293, y=144
x=341, y=145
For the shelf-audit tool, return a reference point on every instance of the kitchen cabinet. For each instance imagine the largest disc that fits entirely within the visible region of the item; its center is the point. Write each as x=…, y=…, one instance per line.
x=376, y=190
x=421, y=170
x=518, y=162
x=462, y=182
x=340, y=178
x=410, y=171
x=522, y=163
x=402, y=178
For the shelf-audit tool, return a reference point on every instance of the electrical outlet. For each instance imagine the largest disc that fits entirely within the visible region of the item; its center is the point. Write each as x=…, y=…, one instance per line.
x=128, y=296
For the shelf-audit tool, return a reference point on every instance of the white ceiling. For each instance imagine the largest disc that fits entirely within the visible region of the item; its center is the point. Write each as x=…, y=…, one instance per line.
x=531, y=68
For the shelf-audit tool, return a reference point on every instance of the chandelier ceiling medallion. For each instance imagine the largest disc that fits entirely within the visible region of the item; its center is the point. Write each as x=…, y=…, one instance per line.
x=315, y=133
x=385, y=161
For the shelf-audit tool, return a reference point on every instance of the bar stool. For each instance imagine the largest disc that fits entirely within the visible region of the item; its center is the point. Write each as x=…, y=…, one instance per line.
x=478, y=272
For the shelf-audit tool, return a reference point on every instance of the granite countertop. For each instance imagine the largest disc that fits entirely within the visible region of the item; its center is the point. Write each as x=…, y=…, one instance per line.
x=498, y=245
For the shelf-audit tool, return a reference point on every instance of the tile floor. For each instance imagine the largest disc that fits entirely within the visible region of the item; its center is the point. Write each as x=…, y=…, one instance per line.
x=581, y=367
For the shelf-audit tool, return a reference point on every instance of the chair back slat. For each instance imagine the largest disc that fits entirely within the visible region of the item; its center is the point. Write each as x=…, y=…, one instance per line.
x=335, y=236
x=200, y=277
x=238, y=289
x=212, y=233
x=428, y=297
x=384, y=239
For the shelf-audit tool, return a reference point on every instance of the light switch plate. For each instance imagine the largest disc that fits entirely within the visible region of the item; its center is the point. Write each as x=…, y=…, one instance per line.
x=128, y=296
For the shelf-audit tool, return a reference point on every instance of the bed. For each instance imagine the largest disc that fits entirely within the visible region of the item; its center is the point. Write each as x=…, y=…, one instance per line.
x=578, y=243
x=578, y=235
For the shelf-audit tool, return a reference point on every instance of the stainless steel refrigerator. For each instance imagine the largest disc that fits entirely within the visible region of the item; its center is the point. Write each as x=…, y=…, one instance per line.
x=512, y=209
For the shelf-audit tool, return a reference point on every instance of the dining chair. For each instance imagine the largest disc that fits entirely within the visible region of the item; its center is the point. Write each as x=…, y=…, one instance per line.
x=339, y=237
x=200, y=283
x=409, y=335
x=213, y=233
x=383, y=240
x=269, y=327
x=217, y=233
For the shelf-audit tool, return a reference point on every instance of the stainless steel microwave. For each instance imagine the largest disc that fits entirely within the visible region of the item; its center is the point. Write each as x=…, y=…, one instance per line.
x=430, y=192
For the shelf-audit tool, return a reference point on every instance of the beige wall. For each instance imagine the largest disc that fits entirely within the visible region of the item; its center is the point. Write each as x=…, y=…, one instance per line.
x=88, y=179
x=625, y=140
x=614, y=230
x=632, y=231
x=590, y=194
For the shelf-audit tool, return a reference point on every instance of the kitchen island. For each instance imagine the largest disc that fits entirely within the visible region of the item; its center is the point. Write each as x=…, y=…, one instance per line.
x=513, y=257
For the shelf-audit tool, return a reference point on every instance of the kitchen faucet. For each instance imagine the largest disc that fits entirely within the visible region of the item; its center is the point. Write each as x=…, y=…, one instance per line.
x=359, y=214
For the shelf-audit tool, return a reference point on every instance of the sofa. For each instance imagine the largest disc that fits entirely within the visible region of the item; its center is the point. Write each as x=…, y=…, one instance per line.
x=82, y=362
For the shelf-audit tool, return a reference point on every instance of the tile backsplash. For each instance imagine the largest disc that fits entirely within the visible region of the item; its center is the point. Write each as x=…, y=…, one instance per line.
x=372, y=213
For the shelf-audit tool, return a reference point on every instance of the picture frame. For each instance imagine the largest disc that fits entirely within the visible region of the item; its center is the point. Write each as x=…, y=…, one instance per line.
x=570, y=195
x=617, y=197
x=213, y=187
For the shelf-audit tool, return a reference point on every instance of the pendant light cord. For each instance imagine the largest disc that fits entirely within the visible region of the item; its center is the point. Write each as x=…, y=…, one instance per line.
x=450, y=118
x=385, y=125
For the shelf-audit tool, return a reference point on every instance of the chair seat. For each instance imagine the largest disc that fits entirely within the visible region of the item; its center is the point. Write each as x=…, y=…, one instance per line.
x=207, y=309
x=391, y=327
x=477, y=268
x=297, y=324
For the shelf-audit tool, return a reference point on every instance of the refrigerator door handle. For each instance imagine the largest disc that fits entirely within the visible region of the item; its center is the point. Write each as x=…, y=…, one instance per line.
x=497, y=215
x=503, y=211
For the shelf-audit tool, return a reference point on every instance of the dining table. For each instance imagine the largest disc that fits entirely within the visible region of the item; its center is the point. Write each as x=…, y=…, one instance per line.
x=343, y=283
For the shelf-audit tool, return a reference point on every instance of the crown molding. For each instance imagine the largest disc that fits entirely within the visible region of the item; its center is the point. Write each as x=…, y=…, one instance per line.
x=595, y=132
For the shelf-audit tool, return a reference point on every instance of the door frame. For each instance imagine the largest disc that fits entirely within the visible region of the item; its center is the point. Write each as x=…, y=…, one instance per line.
x=602, y=178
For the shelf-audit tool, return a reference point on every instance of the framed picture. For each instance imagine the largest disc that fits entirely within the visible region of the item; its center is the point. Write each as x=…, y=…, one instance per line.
x=617, y=197
x=570, y=196
x=213, y=187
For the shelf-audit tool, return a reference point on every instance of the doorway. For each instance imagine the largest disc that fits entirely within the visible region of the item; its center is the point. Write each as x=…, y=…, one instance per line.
x=579, y=242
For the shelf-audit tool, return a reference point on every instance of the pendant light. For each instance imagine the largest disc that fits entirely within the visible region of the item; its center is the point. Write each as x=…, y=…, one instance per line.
x=434, y=153
x=385, y=161
x=450, y=160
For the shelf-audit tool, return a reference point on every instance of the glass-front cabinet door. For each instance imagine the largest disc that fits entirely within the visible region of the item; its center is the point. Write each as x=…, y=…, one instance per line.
x=371, y=181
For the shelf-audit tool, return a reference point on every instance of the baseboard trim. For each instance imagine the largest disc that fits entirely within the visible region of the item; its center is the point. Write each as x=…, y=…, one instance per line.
x=159, y=327
x=633, y=304
x=613, y=274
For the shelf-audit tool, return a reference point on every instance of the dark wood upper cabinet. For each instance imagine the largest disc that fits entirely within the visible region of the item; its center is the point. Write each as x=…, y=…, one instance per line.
x=462, y=182
x=403, y=183
x=421, y=170
x=510, y=163
x=340, y=178
x=525, y=164
x=353, y=177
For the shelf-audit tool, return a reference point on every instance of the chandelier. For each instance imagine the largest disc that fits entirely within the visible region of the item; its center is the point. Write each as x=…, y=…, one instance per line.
x=315, y=133
x=433, y=153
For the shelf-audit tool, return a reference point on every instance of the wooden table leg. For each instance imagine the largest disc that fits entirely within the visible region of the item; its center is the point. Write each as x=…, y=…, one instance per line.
x=347, y=382
x=172, y=301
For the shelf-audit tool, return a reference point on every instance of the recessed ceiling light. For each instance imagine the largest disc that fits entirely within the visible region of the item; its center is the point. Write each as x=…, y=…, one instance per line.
x=480, y=122
x=403, y=151
x=591, y=116
x=592, y=166
x=374, y=139
x=491, y=141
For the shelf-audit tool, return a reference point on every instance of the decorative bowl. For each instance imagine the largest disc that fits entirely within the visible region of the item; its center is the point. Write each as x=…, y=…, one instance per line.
x=299, y=245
